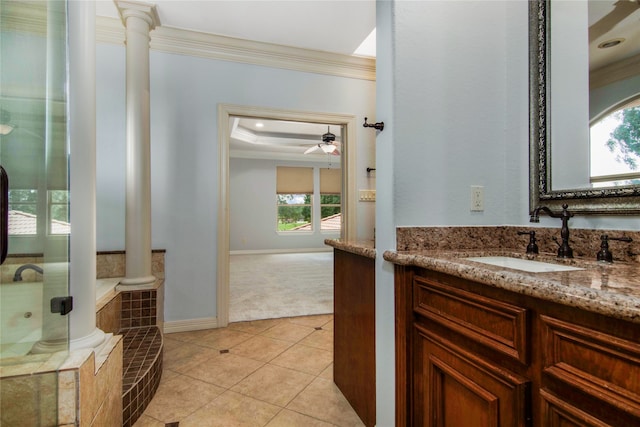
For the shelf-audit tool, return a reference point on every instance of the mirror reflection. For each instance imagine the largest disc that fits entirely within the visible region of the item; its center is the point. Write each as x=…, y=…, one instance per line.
x=614, y=86
x=594, y=65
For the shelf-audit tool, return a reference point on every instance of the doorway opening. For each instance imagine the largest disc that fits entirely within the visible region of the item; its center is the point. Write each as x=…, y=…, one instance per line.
x=236, y=120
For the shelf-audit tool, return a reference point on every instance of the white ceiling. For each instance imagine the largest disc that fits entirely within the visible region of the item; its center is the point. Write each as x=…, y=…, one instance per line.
x=338, y=26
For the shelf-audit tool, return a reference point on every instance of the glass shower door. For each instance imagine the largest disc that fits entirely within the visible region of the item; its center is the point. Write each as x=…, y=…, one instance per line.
x=34, y=154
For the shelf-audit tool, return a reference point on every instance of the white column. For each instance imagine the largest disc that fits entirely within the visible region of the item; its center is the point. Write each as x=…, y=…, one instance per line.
x=82, y=131
x=139, y=19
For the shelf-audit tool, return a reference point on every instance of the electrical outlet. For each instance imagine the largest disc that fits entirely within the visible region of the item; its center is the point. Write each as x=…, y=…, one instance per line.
x=477, y=198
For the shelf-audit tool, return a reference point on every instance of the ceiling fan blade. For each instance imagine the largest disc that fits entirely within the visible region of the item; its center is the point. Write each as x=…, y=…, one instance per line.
x=310, y=149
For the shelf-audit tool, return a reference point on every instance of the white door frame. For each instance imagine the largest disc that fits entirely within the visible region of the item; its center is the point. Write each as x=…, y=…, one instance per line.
x=349, y=190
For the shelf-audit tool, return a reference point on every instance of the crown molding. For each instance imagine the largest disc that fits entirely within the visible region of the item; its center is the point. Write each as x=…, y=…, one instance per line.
x=620, y=70
x=211, y=46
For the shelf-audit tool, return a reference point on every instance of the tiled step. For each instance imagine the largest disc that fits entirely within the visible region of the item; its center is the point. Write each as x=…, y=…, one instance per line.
x=142, y=369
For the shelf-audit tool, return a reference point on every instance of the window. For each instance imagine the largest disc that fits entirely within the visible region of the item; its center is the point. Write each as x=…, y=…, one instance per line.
x=330, y=199
x=58, y=212
x=294, y=193
x=294, y=212
x=615, y=152
x=24, y=212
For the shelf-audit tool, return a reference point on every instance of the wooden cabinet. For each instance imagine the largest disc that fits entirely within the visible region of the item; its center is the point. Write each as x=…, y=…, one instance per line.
x=468, y=354
x=354, y=360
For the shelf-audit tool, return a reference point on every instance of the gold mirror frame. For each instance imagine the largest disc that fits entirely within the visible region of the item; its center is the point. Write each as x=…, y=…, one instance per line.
x=622, y=200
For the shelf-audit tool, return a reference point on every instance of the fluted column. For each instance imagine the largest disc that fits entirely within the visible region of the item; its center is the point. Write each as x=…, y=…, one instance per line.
x=139, y=19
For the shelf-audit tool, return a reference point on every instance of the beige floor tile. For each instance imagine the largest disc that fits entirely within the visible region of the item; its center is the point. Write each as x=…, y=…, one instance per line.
x=145, y=421
x=261, y=348
x=224, y=370
x=232, y=410
x=255, y=326
x=185, y=354
x=319, y=339
x=273, y=384
x=328, y=326
x=189, y=336
x=327, y=374
x=288, y=332
x=324, y=401
x=223, y=338
x=180, y=396
x=303, y=358
x=315, y=321
x=288, y=418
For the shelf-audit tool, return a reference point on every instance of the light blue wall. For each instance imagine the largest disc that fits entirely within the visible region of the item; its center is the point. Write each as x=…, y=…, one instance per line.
x=185, y=93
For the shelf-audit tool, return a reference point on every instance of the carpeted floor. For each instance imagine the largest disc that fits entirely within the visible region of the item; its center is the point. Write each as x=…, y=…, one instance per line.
x=269, y=286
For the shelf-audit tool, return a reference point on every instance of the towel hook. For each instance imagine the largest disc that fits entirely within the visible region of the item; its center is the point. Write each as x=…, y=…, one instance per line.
x=379, y=126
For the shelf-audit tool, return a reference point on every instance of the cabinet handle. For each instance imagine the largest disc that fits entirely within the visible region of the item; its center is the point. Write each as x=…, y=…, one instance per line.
x=4, y=214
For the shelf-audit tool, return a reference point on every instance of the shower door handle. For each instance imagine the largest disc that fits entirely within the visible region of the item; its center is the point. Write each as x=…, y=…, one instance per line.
x=4, y=214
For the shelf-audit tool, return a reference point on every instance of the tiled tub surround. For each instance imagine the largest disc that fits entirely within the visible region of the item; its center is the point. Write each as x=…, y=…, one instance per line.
x=133, y=371
x=136, y=314
x=609, y=289
x=63, y=389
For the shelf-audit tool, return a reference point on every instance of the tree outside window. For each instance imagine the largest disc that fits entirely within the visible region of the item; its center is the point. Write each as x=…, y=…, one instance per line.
x=294, y=211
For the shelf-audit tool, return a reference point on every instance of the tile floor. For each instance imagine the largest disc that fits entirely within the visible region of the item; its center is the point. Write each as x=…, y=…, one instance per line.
x=263, y=373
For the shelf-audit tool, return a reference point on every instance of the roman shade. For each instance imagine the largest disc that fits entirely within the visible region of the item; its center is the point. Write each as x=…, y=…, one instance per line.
x=293, y=180
x=330, y=181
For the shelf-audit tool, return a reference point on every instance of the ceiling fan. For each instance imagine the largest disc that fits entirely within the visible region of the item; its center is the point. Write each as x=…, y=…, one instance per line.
x=328, y=145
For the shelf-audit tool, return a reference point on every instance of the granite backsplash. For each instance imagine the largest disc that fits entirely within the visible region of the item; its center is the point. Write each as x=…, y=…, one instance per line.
x=584, y=242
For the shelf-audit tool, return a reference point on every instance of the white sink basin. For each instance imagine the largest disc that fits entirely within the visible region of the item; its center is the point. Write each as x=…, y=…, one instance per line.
x=523, y=264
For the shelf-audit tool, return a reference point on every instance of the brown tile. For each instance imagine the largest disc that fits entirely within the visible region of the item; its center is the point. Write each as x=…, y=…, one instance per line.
x=180, y=396
x=261, y=348
x=273, y=384
x=224, y=370
x=321, y=339
x=288, y=418
x=232, y=410
x=287, y=331
x=324, y=401
x=303, y=358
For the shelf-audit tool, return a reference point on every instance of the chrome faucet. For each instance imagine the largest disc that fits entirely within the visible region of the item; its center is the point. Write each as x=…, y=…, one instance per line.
x=564, y=251
x=17, y=277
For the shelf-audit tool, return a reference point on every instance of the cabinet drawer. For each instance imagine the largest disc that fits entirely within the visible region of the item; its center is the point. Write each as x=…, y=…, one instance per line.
x=556, y=412
x=598, y=364
x=495, y=324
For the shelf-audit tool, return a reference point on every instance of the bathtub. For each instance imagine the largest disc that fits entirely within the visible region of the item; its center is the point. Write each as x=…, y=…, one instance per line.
x=20, y=317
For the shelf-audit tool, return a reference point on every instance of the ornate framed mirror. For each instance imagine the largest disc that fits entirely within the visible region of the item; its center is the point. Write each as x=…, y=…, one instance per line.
x=559, y=143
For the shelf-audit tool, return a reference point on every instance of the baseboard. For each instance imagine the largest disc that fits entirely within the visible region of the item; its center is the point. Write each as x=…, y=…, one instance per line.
x=190, y=325
x=280, y=251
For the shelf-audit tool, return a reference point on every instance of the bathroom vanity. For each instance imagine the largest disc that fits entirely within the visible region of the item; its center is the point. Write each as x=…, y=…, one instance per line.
x=486, y=345
x=354, y=361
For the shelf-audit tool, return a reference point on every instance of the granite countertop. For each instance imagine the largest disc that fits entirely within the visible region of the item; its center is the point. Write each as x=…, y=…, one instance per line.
x=609, y=289
x=365, y=248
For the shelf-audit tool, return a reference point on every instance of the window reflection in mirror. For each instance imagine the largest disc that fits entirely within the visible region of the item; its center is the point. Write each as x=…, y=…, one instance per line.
x=614, y=84
x=615, y=148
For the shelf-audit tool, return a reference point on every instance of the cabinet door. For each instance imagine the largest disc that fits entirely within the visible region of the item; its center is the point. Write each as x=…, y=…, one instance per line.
x=556, y=412
x=453, y=388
